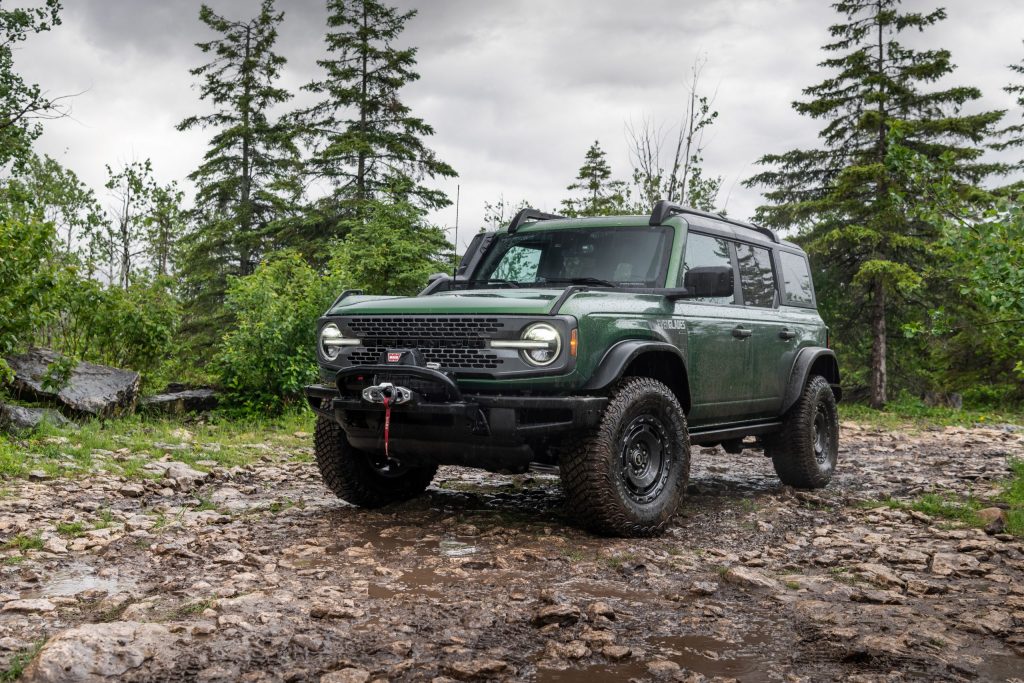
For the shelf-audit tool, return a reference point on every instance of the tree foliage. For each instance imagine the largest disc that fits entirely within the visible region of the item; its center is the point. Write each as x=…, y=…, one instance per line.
x=366, y=143
x=869, y=251
x=597, y=193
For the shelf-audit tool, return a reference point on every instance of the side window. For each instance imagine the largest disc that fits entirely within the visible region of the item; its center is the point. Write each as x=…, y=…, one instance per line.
x=796, y=277
x=519, y=264
x=756, y=278
x=701, y=251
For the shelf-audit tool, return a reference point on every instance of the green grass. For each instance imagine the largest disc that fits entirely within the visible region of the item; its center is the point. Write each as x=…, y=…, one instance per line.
x=909, y=411
x=193, y=608
x=132, y=439
x=71, y=529
x=16, y=665
x=24, y=542
x=105, y=520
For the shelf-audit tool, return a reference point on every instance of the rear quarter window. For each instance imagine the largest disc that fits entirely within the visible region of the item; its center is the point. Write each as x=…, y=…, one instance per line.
x=796, y=280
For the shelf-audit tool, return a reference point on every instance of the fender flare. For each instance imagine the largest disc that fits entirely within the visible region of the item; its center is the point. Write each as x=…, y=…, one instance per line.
x=620, y=355
x=798, y=376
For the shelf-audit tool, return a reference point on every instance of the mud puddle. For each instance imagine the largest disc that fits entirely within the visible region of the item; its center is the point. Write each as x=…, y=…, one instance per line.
x=77, y=579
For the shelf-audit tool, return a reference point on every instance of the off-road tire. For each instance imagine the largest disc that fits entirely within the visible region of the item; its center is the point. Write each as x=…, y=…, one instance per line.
x=595, y=469
x=804, y=453
x=350, y=474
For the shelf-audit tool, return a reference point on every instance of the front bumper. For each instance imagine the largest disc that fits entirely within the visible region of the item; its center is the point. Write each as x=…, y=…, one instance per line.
x=486, y=424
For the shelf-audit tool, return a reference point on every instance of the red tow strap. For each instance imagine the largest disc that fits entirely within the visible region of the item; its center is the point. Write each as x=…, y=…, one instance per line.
x=387, y=425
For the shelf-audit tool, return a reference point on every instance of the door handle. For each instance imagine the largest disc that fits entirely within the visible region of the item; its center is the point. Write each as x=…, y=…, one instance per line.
x=741, y=332
x=787, y=334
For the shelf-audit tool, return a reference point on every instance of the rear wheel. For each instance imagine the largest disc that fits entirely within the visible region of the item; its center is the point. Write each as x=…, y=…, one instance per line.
x=352, y=475
x=628, y=476
x=805, y=452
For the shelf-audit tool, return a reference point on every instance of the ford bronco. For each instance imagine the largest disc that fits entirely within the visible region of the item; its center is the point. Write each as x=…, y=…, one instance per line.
x=604, y=346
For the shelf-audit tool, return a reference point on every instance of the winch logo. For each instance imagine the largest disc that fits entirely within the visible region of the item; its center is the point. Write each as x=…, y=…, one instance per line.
x=394, y=356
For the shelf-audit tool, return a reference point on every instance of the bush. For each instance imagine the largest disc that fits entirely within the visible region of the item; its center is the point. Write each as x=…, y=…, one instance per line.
x=267, y=358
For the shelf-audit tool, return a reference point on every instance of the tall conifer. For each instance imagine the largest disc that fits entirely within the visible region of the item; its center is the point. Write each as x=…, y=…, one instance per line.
x=843, y=198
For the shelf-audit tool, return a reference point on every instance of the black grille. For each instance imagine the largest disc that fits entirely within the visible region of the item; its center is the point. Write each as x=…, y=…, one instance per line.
x=418, y=328
x=445, y=357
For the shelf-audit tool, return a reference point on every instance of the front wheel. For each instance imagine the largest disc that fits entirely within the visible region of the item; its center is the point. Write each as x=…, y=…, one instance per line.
x=805, y=452
x=353, y=477
x=628, y=476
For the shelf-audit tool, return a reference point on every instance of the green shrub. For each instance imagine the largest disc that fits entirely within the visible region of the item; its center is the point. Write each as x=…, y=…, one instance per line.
x=266, y=359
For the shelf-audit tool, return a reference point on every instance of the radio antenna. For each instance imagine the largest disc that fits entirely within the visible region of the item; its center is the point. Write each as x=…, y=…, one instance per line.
x=455, y=260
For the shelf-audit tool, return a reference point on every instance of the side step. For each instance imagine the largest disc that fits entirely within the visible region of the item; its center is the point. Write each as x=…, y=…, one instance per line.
x=706, y=436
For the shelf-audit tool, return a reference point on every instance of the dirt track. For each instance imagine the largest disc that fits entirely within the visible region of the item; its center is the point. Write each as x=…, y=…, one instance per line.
x=256, y=574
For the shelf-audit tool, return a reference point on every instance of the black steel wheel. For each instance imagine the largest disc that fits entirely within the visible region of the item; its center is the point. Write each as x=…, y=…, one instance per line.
x=806, y=451
x=628, y=476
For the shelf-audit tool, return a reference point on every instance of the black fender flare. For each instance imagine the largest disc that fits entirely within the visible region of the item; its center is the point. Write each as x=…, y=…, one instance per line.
x=620, y=355
x=802, y=364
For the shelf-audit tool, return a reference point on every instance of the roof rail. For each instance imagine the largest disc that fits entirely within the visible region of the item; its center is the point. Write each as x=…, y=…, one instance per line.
x=664, y=208
x=529, y=215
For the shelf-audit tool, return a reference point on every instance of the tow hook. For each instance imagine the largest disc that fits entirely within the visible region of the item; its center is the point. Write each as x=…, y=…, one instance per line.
x=386, y=391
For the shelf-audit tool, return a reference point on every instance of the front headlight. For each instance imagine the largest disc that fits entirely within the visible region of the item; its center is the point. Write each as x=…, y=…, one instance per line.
x=331, y=341
x=548, y=344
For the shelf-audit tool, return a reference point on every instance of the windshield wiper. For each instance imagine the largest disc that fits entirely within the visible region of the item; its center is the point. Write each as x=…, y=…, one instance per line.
x=492, y=281
x=579, y=281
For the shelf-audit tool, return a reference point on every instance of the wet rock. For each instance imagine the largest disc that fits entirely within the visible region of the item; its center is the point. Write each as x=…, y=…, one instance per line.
x=575, y=649
x=477, y=668
x=556, y=614
x=663, y=668
x=994, y=519
x=183, y=401
x=880, y=574
x=132, y=490
x=745, y=576
x=29, y=606
x=703, y=587
x=331, y=611
x=21, y=420
x=946, y=564
x=616, y=653
x=600, y=610
x=55, y=545
x=91, y=389
x=233, y=556
x=96, y=653
x=350, y=675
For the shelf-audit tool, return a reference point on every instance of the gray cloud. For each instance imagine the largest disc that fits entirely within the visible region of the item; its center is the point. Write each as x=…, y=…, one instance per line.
x=516, y=90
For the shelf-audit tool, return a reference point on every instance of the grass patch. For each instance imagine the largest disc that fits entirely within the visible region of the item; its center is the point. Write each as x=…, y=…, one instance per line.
x=616, y=561
x=71, y=529
x=12, y=560
x=24, y=542
x=908, y=411
x=106, y=519
x=193, y=608
x=16, y=665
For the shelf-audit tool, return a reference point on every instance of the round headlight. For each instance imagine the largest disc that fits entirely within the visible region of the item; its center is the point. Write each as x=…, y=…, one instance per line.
x=542, y=332
x=330, y=341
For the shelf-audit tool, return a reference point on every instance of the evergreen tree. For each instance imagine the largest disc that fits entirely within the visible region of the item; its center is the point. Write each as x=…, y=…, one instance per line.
x=246, y=184
x=840, y=196
x=1012, y=137
x=22, y=104
x=365, y=140
x=600, y=195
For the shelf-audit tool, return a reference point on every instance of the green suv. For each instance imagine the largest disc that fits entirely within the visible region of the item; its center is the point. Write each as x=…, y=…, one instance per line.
x=605, y=346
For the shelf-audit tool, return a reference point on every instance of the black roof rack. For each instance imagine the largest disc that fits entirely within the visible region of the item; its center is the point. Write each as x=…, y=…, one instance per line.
x=664, y=208
x=529, y=215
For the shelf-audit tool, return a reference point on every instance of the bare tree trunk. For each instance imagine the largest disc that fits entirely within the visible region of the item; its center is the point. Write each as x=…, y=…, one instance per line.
x=879, y=374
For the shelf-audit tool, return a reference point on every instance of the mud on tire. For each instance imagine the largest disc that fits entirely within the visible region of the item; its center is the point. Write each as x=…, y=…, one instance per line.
x=352, y=476
x=804, y=453
x=628, y=476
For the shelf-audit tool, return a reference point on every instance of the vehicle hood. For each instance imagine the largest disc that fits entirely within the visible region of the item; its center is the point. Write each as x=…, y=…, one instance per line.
x=482, y=301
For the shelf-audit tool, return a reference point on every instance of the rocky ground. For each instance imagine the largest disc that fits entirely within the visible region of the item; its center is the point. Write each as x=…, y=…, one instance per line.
x=253, y=573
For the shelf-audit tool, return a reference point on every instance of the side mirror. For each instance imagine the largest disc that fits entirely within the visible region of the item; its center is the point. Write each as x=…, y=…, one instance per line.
x=709, y=281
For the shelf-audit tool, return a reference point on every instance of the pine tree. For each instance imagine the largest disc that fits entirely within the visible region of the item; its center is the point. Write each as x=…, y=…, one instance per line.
x=246, y=184
x=601, y=196
x=365, y=140
x=841, y=196
x=1012, y=137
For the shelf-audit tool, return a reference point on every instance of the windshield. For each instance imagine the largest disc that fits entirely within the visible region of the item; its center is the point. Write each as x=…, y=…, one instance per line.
x=625, y=257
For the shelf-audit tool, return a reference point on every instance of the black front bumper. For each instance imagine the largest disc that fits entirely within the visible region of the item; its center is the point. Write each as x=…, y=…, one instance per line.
x=471, y=429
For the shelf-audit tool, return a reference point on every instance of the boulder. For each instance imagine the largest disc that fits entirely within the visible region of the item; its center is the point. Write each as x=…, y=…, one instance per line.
x=95, y=653
x=181, y=401
x=91, y=389
x=20, y=420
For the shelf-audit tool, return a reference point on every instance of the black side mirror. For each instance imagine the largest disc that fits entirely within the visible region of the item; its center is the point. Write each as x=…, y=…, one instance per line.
x=708, y=281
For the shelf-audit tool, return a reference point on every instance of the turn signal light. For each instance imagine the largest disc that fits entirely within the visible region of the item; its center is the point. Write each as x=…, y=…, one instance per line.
x=574, y=343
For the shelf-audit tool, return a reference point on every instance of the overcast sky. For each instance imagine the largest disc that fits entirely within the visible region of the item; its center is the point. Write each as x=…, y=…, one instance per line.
x=516, y=90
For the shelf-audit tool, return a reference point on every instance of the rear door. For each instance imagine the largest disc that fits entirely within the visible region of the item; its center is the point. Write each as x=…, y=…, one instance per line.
x=718, y=358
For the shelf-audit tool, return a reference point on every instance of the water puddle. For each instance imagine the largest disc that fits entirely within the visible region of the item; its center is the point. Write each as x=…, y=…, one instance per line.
x=452, y=548
x=702, y=654
x=74, y=580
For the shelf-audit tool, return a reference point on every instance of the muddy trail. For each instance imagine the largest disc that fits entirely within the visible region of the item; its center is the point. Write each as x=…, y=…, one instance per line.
x=256, y=574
